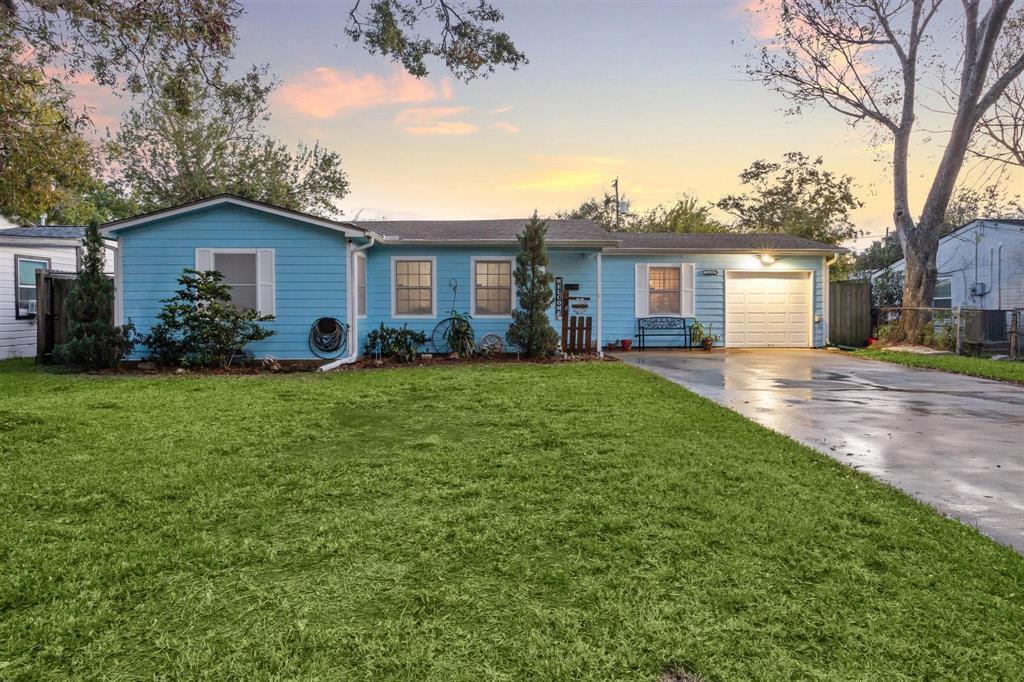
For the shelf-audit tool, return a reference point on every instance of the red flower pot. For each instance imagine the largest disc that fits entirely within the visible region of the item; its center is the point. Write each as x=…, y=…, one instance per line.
x=626, y=344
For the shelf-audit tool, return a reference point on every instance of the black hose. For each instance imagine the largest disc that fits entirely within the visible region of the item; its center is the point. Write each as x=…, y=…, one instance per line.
x=328, y=338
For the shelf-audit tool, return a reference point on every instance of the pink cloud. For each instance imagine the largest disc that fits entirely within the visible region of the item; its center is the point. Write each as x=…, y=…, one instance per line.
x=426, y=115
x=505, y=127
x=446, y=128
x=325, y=92
x=763, y=16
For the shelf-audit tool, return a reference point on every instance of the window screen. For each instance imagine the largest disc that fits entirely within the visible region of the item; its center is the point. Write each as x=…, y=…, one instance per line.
x=239, y=270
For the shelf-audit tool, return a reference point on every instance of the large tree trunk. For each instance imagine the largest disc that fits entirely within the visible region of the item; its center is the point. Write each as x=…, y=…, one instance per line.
x=921, y=241
x=920, y=245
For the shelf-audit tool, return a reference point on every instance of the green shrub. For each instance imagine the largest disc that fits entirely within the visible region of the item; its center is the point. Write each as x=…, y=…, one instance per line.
x=200, y=326
x=395, y=342
x=531, y=329
x=93, y=342
x=459, y=335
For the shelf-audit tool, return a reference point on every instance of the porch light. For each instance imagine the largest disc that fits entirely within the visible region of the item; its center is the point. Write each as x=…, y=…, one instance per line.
x=767, y=258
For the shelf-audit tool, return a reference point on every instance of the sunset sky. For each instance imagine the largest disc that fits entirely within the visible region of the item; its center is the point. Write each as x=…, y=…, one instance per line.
x=651, y=92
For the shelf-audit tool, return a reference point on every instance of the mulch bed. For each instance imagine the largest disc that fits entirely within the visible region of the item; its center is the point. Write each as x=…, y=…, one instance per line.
x=136, y=368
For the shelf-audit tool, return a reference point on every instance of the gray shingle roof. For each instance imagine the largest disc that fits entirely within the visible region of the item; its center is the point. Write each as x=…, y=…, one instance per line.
x=45, y=231
x=717, y=241
x=484, y=230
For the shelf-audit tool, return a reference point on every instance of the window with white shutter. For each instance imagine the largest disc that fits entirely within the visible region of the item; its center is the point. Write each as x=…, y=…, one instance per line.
x=665, y=289
x=249, y=273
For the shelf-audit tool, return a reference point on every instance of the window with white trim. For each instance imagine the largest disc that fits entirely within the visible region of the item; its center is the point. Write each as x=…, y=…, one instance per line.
x=360, y=284
x=240, y=273
x=664, y=290
x=25, y=285
x=943, y=297
x=249, y=273
x=414, y=287
x=492, y=287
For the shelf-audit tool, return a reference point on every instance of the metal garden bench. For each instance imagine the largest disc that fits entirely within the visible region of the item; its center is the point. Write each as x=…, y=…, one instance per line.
x=674, y=327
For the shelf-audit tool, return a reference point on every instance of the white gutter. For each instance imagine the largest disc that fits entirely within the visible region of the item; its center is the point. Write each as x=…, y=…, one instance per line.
x=353, y=318
x=600, y=347
x=825, y=304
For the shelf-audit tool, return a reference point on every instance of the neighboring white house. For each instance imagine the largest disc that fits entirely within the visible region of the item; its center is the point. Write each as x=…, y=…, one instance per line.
x=23, y=250
x=981, y=265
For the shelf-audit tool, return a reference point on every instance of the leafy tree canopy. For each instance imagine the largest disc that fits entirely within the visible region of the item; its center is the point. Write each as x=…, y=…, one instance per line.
x=797, y=196
x=192, y=139
x=687, y=214
x=467, y=43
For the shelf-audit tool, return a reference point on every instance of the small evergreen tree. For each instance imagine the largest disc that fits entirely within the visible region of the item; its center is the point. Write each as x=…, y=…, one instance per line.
x=200, y=325
x=531, y=330
x=93, y=341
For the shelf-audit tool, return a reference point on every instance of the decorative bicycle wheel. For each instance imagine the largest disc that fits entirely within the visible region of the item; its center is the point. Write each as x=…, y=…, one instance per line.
x=443, y=332
x=491, y=343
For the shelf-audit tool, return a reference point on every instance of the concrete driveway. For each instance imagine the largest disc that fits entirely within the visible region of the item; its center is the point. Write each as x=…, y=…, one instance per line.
x=954, y=442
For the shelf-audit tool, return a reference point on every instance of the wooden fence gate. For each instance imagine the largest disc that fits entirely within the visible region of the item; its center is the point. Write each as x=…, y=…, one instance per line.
x=52, y=289
x=577, y=335
x=849, y=312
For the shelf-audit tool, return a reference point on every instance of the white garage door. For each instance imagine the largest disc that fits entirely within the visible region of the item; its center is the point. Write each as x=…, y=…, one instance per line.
x=765, y=309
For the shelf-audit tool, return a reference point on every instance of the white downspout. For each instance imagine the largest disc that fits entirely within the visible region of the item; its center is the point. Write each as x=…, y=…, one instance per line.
x=353, y=318
x=600, y=344
x=825, y=303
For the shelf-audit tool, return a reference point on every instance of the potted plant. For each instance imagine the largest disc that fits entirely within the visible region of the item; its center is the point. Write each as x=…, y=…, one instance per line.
x=697, y=332
x=626, y=343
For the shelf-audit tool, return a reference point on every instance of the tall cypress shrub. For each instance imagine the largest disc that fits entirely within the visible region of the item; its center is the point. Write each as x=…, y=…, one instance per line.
x=531, y=330
x=93, y=341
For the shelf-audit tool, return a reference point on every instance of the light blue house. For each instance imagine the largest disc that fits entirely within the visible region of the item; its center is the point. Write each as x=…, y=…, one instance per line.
x=752, y=290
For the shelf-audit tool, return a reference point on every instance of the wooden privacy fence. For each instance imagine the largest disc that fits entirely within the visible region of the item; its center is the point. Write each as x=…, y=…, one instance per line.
x=849, y=312
x=52, y=289
x=577, y=334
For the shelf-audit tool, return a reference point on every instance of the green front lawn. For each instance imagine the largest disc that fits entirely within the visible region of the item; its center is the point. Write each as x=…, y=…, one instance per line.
x=585, y=521
x=1005, y=370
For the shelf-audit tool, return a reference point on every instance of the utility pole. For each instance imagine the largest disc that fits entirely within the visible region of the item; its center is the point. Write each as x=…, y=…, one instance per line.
x=618, y=212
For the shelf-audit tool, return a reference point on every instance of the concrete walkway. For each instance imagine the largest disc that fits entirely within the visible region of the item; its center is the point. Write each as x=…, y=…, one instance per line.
x=954, y=442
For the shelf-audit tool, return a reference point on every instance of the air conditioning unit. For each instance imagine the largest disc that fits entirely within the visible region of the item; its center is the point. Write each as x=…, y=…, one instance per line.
x=979, y=289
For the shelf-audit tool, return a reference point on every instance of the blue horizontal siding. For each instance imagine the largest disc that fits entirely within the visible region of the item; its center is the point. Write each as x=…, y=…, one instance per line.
x=311, y=277
x=309, y=264
x=454, y=263
x=619, y=289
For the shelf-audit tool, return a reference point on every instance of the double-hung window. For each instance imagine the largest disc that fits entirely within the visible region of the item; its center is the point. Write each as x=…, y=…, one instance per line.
x=414, y=286
x=664, y=290
x=25, y=285
x=943, y=297
x=492, y=287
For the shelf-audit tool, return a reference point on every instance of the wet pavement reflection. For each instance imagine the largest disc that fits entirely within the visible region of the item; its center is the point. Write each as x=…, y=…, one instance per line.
x=952, y=441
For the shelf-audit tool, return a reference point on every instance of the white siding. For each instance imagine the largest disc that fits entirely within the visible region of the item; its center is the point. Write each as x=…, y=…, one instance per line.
x=1001, y=271
x=18, y=337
